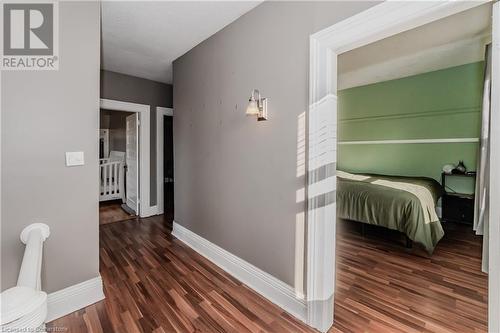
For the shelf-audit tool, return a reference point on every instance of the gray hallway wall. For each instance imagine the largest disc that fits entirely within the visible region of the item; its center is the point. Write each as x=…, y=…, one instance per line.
x=44, y=115
x=239, y=181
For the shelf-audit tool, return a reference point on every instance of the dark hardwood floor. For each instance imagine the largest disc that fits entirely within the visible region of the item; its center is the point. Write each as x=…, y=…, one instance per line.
x=154, y=283
x=383, y=287
x=111, y=211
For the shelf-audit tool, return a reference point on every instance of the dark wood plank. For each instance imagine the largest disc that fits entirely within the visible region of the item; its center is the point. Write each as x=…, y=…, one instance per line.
x=111, y=211
x=382, y=286
x=154, y=283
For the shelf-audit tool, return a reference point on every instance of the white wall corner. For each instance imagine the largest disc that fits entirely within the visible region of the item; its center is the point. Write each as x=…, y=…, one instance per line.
x=150, y=211
x=73, y=298
x=318, y=311
x=263, y=283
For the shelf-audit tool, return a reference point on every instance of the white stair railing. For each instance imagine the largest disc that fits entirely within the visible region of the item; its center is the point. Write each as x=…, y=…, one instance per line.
x=24, y=307
x=112, y=181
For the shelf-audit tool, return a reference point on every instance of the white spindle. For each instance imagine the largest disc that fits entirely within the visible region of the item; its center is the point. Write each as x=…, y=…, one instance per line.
x=122, y=181
x=31, y=266
x=106, y=166
x=100, y=179
x=24, y=307
x=112, y=180
x=111, y=169
x=115, y=178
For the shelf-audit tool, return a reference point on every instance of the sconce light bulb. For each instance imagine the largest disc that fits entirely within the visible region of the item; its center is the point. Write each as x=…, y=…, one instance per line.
x=252, y=108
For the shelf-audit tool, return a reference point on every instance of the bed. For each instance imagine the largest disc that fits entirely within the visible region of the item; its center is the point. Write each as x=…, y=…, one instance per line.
x=405, y=204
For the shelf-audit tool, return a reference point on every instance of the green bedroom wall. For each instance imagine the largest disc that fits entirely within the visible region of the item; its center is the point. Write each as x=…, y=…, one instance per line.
x=440, y=104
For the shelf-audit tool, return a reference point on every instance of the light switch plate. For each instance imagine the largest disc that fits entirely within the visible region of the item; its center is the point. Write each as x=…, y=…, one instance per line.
x=74, y=158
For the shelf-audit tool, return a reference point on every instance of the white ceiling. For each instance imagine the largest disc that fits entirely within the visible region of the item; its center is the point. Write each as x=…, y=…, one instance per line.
x=452, y=41
x=144, y=38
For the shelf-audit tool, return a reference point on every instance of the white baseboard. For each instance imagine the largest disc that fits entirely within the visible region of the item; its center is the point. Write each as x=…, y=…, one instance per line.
x=439, y=211
x=73, y=298
x=263, y=283
x=149, y=211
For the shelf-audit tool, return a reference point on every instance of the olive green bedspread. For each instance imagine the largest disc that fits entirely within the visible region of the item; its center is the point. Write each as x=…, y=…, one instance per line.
x=359, y=199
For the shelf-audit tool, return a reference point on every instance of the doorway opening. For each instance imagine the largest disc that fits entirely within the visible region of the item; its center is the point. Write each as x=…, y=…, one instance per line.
x=118, y=165
x=124, y=145
x=165, y=161
x=376, y=24
x=409, y=105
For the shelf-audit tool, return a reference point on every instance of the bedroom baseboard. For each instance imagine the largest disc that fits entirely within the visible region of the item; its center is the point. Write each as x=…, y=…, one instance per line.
x=73, y=298
x=439, y=211
x=263, y=283
x=149, y=211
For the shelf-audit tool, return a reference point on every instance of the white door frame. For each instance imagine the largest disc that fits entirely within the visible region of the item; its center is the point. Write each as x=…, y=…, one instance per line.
x=160, y=113
x=381, y=21
x=132, y=162
x=143, y=110
x=494, y=186
x=104, y=134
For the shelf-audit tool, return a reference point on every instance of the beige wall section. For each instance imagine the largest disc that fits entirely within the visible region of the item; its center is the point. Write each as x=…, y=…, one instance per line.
x=45, y=114
x=239, y=181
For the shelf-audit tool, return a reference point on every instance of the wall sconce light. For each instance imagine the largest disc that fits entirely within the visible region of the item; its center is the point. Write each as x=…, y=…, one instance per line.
x=257, y=106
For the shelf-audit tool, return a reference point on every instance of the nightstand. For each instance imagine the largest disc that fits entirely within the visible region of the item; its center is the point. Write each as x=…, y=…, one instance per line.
x=457, y=207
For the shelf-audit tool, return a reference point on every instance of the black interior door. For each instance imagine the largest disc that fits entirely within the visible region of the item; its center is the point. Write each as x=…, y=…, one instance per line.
x=168, y=165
